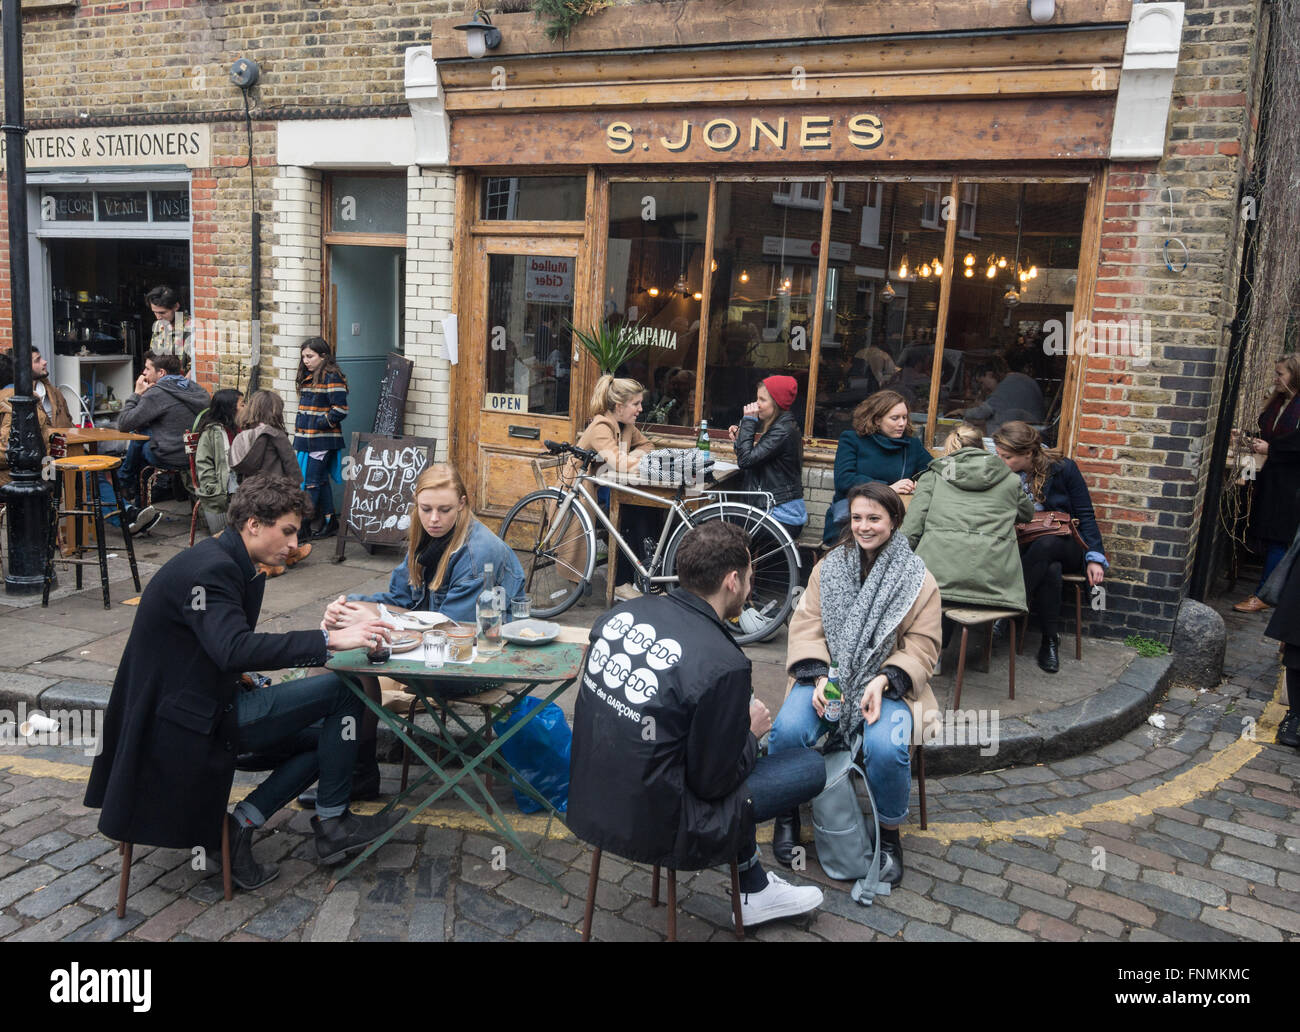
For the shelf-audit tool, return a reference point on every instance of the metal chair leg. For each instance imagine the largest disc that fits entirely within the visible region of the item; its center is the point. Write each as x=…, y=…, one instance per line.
x=735, y=901
x=406, y=749
x=920, y=774
x=592, y=880
x=1078, y=622
x=1012, y=625
x=961, y=668
x=225, y=859
x=126, y=531
x=654, y=887
x=672, y=905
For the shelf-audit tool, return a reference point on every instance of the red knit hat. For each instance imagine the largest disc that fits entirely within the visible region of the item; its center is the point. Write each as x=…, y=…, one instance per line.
x=784, y=389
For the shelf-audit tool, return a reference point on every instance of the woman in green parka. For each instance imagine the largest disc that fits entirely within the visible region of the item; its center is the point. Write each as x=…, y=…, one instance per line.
x=962, y=523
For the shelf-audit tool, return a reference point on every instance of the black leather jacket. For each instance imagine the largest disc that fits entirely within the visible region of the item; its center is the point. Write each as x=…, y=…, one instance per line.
x=775, y=462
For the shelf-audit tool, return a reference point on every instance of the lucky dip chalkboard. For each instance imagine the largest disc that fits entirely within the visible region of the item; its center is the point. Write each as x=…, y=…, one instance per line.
x=379, y=475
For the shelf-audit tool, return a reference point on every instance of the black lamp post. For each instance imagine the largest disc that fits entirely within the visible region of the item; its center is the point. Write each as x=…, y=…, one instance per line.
x=26, y=496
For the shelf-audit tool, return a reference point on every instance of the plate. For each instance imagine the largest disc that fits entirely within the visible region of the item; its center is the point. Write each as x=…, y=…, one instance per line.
x=406, y=642
x=540, y=632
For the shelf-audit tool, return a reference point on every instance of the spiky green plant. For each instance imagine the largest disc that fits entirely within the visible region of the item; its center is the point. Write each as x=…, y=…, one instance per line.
x=562, y=15
x=610, y=347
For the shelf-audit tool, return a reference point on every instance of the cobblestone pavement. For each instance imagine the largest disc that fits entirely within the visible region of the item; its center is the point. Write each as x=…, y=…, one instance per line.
x=1186, y=832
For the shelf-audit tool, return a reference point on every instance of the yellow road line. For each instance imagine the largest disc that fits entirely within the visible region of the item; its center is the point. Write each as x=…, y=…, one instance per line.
x=1183, y=788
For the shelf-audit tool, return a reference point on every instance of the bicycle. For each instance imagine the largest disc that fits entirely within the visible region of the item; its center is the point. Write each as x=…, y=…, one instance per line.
x=554, y=538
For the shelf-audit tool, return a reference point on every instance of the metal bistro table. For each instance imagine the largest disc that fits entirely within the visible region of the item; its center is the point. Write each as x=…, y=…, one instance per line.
x=517, y=671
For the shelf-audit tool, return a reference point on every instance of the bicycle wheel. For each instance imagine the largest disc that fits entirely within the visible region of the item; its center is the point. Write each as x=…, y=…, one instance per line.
x=557, y=557
x=776, y=568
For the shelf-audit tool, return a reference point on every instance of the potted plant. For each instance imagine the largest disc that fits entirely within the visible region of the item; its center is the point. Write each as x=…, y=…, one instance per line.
x=611, y=347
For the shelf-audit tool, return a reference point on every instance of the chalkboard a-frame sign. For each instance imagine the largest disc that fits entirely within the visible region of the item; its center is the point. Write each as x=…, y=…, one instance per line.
x=378, y=480
x=392, y=395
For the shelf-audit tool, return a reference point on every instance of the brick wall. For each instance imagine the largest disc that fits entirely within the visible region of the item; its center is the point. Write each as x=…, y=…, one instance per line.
x=430, y=209
x=1145, y=428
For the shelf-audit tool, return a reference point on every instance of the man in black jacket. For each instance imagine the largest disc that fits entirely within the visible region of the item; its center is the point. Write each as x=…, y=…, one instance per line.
x=177, y=717
x=665, y=733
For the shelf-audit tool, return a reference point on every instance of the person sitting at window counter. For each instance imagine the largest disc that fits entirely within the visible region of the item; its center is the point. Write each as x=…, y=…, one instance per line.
x=1055, y=485
x=1011, y=396
x=872, y=609
x=769, y=451
x=962, y=525
x=613, y=435
x=881, y=447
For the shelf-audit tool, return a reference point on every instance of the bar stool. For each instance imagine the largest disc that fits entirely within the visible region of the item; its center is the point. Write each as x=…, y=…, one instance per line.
x=87, y=469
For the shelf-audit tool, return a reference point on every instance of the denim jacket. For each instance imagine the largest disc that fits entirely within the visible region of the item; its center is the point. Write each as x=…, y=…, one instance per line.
x=464, y=581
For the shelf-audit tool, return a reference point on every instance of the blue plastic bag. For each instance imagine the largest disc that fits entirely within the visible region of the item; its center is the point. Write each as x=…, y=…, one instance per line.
x=539, y=752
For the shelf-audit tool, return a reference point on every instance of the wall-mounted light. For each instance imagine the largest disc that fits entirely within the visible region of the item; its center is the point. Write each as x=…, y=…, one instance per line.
x=482, y=34
x=1041, y=11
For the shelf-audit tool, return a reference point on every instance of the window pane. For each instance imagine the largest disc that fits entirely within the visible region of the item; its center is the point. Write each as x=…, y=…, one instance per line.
x=530, y=304
x=767, y=236
x=1002, y=370
x=170, y=205
x=871, y=340
x=534, y=198
x=368, y=204
x=654, y=277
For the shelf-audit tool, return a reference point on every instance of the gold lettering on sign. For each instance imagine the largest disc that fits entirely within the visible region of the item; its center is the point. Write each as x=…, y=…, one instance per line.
x=815, y=132
x=865, y=131
x=730, y=128
x=681, y=144
x=619, y=137
x=777, y=135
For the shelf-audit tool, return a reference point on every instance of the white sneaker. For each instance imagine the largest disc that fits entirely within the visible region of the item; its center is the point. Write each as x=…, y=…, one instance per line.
x=779, y=899
x=627, y=592
x=146, y=519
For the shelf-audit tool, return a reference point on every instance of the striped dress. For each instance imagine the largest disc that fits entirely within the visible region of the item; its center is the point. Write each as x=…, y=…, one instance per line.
x=321, y=408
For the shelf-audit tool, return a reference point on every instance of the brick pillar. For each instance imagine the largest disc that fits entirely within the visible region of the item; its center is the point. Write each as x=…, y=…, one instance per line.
x=430, y=206
x=296, y=269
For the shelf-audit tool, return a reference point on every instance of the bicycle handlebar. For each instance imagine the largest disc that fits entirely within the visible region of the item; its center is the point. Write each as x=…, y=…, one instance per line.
x=587, y=457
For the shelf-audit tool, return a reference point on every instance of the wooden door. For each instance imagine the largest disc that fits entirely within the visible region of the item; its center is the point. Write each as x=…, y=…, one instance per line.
x=518, y=381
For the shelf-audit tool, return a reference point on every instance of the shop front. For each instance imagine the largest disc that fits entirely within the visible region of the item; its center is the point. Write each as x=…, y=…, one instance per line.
x=919, y=215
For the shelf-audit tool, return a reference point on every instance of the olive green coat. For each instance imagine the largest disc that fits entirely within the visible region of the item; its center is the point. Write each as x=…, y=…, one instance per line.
x=961, y=522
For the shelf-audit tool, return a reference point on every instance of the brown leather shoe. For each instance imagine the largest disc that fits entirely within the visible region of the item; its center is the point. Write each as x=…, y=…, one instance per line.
x=298, y=555
x=1251, y=605
x=270, y=571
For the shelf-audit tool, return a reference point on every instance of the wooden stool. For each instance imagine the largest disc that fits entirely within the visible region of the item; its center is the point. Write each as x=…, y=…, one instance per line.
x=594, y=877
x=1077, y=581
x=87, y=469
x=969, y=616
x=125, y=848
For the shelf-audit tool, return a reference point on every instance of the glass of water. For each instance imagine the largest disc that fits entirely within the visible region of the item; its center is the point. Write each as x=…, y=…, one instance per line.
x=519, y=607
x=435, y=649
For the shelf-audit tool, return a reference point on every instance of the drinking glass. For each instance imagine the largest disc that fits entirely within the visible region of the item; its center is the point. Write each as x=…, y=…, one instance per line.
x=435, y=649
x=519, y=607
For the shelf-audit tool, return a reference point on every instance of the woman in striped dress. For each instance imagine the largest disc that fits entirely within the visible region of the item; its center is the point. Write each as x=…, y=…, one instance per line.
x=322, y=406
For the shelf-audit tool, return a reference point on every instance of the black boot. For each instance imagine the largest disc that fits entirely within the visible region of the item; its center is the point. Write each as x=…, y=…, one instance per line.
x=891, y=860
x=329, y=528
x=1049, y=658
x=246, y=872
x=785, y=836
x=337, y=837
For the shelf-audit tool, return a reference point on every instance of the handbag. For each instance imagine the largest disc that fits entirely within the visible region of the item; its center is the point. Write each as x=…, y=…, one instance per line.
x=1049, y=523
x=846, y=843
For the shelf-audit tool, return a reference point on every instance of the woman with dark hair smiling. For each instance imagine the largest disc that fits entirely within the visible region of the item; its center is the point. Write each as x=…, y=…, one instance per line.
x=882, y=448
x=871, y=609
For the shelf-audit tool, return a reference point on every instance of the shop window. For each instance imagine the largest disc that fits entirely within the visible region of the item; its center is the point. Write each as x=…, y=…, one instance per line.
x=966, y=211
x=115, y=205
x=655, y=278
x=368, y=205
x=534, y=198
x=1010, y=306
x=882, y=308
x=530, y=306
x=806, y=194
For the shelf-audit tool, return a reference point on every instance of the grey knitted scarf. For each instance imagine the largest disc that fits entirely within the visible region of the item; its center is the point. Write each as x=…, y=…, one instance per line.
x=861, y=621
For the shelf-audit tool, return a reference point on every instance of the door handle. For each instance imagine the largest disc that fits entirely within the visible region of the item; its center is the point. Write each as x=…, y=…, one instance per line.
x=532, y=433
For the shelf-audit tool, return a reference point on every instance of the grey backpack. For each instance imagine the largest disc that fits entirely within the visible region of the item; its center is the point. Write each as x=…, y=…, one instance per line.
x=846, y=842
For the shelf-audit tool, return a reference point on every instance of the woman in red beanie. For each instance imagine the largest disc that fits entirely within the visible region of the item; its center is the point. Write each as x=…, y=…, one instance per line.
x=769, y=450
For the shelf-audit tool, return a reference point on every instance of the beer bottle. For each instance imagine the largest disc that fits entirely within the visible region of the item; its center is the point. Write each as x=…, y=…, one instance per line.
x=834, y=697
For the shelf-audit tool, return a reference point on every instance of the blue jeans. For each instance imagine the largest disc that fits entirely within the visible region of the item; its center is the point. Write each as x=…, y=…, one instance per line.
x=314, y=723
x=886, y=744
x=138, y=455
x=316, y=482
x=1276, y=550
x=777, y=785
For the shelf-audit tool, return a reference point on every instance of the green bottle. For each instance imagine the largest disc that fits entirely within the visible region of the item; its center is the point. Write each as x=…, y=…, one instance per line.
x=834, y=697
x=702, y=442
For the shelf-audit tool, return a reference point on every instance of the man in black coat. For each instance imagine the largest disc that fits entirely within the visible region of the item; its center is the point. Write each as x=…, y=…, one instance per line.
x=663, y=768
x=177, y=717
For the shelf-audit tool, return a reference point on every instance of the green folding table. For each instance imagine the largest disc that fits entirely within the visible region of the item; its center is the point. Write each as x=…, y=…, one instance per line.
x=517, y=671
